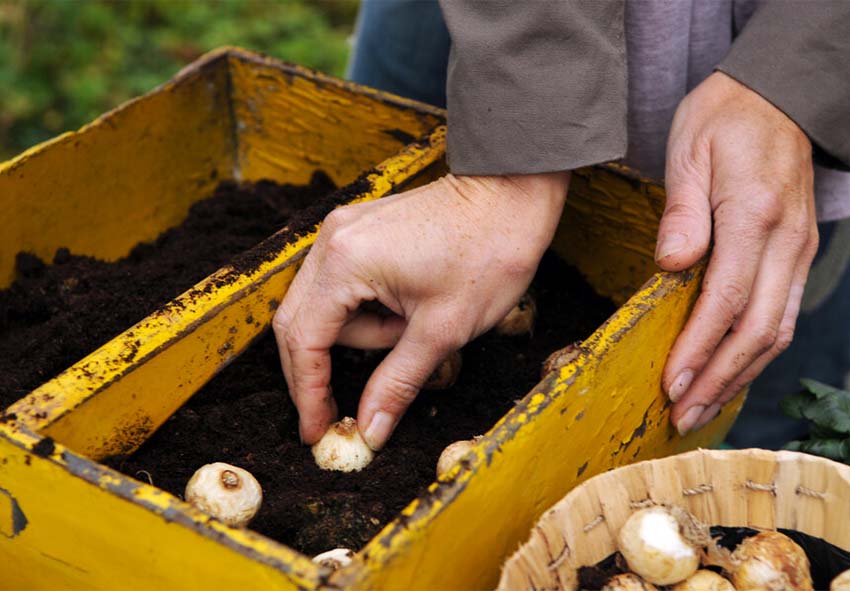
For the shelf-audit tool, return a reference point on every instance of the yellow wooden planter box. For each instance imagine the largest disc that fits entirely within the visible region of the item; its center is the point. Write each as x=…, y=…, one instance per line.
x=68, y=522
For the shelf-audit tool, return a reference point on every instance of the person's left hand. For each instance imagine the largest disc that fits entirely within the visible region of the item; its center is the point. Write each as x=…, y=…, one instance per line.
x=740, y=168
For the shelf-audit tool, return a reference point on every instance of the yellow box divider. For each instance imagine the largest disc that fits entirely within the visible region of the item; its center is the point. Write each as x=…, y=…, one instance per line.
x=113, y=399
x=603, y=410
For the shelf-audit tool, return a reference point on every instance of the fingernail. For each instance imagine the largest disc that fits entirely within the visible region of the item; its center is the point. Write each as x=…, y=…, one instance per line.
x=707, y=416
x=689, y=419
x=680, y=385
x=670, y=244
x=379, y=430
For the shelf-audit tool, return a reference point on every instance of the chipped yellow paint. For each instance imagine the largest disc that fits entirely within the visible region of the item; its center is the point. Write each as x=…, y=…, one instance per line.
x=122, y=179
x=461, y=530
x=134, y=172
x=104, y=405
x=88, y=526
x=277, y=129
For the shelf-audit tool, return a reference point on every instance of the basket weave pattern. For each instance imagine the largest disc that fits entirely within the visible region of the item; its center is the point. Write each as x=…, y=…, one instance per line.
x=754, y=488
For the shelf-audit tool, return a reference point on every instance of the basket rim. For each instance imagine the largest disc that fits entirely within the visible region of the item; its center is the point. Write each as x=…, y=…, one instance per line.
x=765, y=483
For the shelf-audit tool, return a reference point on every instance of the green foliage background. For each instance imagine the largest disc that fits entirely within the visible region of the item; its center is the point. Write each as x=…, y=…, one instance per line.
x=64, y=62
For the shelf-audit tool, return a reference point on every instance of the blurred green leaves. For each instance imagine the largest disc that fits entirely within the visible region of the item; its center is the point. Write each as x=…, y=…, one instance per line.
x=64, y=62
x=828, y=411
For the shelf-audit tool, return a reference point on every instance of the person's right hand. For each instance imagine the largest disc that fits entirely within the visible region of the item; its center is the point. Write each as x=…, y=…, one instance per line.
x=449, y=260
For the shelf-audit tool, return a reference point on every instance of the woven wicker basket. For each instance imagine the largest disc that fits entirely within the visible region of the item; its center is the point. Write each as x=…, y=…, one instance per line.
x=754, y=488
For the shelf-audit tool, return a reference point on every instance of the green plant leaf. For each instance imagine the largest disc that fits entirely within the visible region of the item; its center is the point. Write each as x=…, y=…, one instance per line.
x=793, y=446
x=793, y=405
x=819, y=389
x=834, y=449
x=818, y=432
x=831, y=411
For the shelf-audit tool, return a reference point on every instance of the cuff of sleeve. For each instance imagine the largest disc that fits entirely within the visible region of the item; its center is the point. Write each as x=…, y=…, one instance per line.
x=808, y=83
x=540, y=90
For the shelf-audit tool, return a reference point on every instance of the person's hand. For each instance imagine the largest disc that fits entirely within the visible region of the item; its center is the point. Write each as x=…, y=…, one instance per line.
x=734, y=158
x=448, y=260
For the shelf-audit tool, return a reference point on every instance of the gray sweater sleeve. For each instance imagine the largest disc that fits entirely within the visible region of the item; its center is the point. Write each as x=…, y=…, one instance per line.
x=535, y=86
x=796, y=54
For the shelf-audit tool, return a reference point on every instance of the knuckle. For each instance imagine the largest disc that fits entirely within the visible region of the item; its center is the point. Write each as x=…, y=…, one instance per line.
x=765, y=337
x=684, y=161
x=682, y=210
x=338, y=240
x=280, y=322
x=341, y=246
x=784, y=338
x=293, y=339
x=346, y=244
x=717, y=384
x=813, y=243
x=731, y=298
x=338, y=218
x=729, y=393
x=766, y=214
x=400, y=390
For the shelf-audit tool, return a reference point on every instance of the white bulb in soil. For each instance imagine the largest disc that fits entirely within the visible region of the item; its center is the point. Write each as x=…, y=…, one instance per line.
x=628, y=582
x=770, y=561
x=452, y=455
x=841, y=582
x=654, y=548
x=228, y=493
x=334, y=559
x=704, y=580
x=446, y=373
x=342, y=448
x=520, y=320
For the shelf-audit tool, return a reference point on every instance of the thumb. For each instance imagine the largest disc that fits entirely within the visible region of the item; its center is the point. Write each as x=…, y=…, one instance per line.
x=685, y=230
x=396, y=382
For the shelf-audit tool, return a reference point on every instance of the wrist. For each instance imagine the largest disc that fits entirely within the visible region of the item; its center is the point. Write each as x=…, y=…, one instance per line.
x=535, y=190
x=530, y=205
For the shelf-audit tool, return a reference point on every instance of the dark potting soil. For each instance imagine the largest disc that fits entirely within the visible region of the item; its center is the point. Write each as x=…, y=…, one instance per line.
x=244, y=417
x=55, y=314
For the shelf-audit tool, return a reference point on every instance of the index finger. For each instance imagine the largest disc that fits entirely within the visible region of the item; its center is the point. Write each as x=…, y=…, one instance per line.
x=304, y=338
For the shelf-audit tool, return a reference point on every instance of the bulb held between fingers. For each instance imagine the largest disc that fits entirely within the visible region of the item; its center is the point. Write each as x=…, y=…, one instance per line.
x=342, y=448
